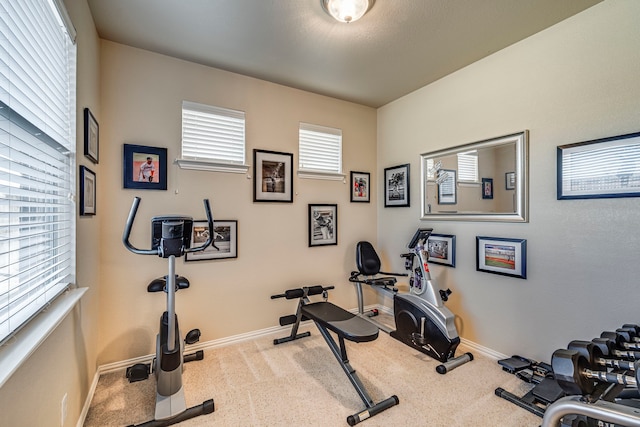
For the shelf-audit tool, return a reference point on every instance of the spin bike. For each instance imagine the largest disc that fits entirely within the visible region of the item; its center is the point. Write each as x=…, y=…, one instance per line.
x=422, y=321
x=171, y=238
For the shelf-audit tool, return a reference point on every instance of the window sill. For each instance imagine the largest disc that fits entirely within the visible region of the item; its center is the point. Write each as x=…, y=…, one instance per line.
x=17, y=350
x=333, y=176
x=207, y=165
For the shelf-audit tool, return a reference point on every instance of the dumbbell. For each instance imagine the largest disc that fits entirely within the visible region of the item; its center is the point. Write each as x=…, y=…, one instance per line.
x=574, y=374
x=609, y=347
x=623, y=337
x=596, y=356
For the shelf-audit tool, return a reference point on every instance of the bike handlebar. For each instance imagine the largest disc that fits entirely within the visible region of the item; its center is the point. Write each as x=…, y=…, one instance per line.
x=129, y=225
x=207, y=209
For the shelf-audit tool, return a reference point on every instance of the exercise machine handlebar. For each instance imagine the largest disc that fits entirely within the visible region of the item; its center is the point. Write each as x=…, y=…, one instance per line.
x=157, y=251
x=300, y=292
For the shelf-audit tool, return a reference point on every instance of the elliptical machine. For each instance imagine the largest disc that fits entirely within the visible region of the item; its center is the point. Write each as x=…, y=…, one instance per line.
x=171, y=238
x=422, y=321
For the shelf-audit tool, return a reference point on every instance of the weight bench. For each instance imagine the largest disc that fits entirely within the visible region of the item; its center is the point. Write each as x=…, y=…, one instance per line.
x=347, y=326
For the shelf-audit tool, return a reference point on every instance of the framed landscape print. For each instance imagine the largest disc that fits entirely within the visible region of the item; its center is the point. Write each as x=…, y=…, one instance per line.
x=502, y=256
x=442, y=249
x=323, y=225
x=272, y=176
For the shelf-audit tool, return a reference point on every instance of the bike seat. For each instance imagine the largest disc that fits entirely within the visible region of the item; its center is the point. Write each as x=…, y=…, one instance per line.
x=160, y=284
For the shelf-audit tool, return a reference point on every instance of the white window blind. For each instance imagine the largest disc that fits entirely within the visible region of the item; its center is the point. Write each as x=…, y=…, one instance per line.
x=213, y=133
x=320, y=149
x=468, y=166
x=37, y=150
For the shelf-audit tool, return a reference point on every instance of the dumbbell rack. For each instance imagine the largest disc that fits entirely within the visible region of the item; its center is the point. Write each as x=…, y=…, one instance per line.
x=596, y=375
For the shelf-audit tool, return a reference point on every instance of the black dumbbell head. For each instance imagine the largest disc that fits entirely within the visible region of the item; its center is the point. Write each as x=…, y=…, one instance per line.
x=568, y=367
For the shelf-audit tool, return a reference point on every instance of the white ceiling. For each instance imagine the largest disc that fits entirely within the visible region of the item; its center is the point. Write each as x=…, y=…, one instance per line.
x=398, y=47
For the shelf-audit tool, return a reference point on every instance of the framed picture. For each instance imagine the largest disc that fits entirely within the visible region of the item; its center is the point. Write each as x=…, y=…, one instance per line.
x=487, y=188
x=91, y=136
x=272, y=176
x=225, y=240
x=442, y=249
x=323, y=225
x=87, y=191
x=396, y=186
x=510, y=181
x=360, y=186
x=502, y=256
x=145, y=168
x=602, y=168
x=446, y=181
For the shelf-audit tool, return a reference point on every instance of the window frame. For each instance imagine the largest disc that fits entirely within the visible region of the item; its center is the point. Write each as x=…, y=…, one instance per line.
x=329, y=135
x=206, y=163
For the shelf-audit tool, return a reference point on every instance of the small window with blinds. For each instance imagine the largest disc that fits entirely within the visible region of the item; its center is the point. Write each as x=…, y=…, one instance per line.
x=37, y=151
x=212, y=135
x=608, y=167
x=319, y=152
x=468, y=166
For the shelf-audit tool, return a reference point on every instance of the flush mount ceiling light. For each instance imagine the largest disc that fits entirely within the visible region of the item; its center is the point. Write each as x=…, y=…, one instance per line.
x=347, y=10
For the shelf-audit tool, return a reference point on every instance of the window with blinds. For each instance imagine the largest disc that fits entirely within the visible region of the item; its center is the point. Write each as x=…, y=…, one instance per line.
x=468, y=166
x=320, y=149
x=213, y=133
x=37, y=150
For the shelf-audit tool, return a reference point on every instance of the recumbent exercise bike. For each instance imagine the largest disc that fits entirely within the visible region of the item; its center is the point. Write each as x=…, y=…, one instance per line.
x=422, y=321
x=171, y=238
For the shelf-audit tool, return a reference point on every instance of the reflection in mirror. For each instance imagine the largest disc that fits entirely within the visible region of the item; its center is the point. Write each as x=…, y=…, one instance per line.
x=481, y=181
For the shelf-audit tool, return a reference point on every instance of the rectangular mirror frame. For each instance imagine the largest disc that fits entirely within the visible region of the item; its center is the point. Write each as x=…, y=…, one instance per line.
x=521, y=141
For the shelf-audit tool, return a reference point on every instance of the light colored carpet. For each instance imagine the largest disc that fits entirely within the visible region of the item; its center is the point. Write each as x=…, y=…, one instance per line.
x=300, y=383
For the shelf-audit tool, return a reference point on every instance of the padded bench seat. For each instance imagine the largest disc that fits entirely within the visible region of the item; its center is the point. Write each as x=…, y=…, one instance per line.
x=347, y=325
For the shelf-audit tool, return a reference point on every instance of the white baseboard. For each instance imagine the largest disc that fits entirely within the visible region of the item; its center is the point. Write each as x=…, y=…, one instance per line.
x=222, y=342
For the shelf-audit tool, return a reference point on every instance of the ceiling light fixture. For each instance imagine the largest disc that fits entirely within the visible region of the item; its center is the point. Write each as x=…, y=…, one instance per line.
x=347, y=10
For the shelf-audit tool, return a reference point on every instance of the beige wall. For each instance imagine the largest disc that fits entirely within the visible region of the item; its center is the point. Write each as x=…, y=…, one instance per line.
x=66, y=362
x=573, y=82
x=141, y=103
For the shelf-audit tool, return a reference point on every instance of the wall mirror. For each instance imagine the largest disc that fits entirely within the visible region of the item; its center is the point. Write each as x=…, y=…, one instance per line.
x=482, y=181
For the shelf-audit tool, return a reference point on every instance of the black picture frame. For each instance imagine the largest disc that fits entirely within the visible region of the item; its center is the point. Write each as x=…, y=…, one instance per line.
x=323, y=224
x=397, y=186
x=135, y=176
x=487, y=188
x=507, y=257
x=91, y=137
x=87, y=191
x=272, y=176
x=441, y=249
x=447, y=187
x=600, y=168
x=360, y=187
x=225, y=241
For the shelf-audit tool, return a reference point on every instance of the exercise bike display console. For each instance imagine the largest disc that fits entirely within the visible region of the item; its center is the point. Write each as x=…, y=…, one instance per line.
x=422, y=321
x=170, y=238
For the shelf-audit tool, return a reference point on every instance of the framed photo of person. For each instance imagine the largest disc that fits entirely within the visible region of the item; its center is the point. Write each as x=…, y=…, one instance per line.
x=442, y=249
x=487, y=188
x=323, y=225
x=272, y=176
x=396, y=186
x=360, y=186
x=144, y=168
